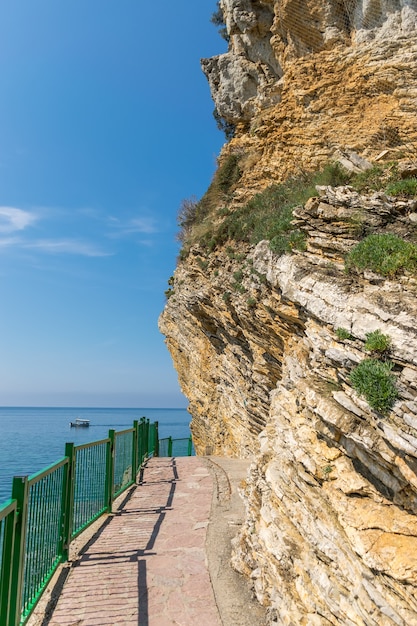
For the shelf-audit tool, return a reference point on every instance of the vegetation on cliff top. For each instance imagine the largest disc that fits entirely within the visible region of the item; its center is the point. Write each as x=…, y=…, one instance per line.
x=218, y=219
x=211, y=222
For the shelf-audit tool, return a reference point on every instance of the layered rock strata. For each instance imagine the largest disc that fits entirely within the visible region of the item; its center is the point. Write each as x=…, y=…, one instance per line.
x=330, y=535
x=331, y=526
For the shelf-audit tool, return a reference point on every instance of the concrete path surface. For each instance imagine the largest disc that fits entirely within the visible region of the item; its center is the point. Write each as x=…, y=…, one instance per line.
x=147, y=565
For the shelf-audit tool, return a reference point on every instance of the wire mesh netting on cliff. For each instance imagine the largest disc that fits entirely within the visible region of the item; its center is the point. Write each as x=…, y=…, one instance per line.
x=343, y=72
x=375, y=78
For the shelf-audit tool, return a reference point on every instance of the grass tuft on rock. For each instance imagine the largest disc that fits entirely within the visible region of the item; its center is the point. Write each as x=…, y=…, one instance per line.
x=374, y=380
x=385, y=254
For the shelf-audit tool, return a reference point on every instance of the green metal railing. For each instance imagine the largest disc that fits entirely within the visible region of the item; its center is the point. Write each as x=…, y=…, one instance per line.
x=49, y=509
x=176, y=447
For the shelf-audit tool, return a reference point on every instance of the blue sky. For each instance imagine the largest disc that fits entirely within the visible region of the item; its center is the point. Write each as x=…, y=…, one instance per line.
x=105, y=126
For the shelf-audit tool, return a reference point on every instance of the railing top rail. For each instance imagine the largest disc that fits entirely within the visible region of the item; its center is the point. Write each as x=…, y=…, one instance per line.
x=7, y=507
x=34, y=478
x=124, y=432
x=91, y=444
x=179, y=439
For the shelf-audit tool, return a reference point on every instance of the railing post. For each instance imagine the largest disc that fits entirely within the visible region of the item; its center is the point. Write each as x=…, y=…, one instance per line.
x=142, y=439
x=169, y=446
x=68, y=500
x=20, y=492
x=135, y=466
x=190, y=445
x=156, y=439
x=110, y=470
x=147, y=430
x=6, y=565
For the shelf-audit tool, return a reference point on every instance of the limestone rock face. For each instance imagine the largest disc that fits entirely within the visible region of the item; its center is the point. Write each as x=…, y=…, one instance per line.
x=250, y=67
x=330, y=535
x=331, y=528
x=266, y=37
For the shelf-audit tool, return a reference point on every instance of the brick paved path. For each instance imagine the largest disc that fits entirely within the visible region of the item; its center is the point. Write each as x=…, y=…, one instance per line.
x=147, y=567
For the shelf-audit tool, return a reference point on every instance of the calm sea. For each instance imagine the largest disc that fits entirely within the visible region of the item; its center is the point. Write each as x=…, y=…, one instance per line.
x=33, y=438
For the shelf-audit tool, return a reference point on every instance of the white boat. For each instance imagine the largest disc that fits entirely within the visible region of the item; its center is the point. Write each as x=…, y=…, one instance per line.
x=80, y=423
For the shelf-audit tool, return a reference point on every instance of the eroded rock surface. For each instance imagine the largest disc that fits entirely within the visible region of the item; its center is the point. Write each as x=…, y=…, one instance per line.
x=330, y=534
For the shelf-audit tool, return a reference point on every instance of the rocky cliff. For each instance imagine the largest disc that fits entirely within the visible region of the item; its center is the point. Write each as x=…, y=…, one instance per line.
x=265, y=342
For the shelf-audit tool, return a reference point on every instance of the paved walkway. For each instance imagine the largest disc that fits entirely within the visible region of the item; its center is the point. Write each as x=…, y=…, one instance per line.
x=147, y=565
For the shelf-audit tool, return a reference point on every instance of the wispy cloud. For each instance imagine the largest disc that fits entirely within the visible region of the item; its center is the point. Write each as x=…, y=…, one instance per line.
x=67, y=246
x=7, y=242
x=13, y=219
x=136, y=225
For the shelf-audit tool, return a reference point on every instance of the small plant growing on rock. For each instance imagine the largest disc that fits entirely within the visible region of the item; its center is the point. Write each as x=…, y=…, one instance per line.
x=374, y=380
x=238, y=276
x=237, y=286
x=327, y=470
x=202, y=263
x=342, y=334
x=377, y=342
x=406, y=187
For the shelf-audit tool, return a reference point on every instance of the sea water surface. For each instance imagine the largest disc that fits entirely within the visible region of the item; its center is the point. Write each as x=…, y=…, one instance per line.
x=33, y=438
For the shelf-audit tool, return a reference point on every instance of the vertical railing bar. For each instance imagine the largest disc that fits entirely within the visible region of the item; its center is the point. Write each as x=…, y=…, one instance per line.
x=19, y=493
x=169, y=446
x=190, y=445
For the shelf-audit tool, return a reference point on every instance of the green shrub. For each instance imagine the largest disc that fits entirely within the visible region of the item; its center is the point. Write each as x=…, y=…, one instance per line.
x=228, y=128
x=282, y=244
x=377, y=342
x=239, y=287
x=373, y=179
x=385, y=254
x=202, y=263
x=342, y=334
x=228, y=173
x=187, y=216
x=331, y=174
x=373, y=380
x=217, y=19
x=225, y=178
x=238, y=276
x=406, y=187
